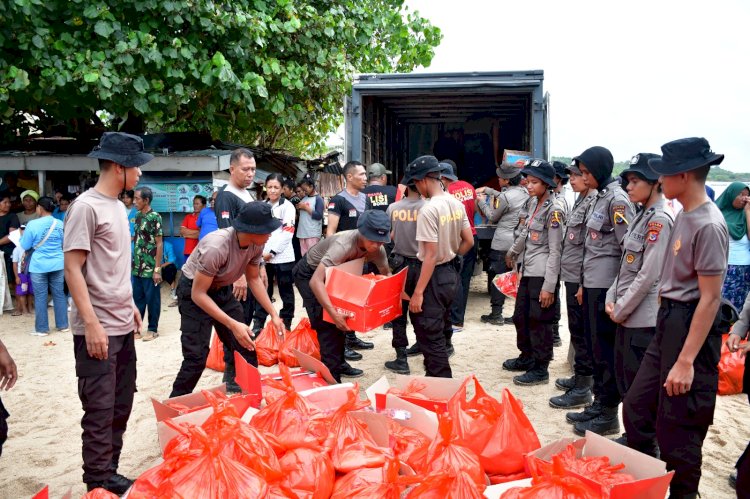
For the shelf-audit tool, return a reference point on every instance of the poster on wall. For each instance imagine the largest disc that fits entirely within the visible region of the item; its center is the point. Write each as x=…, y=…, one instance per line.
x=177, y=197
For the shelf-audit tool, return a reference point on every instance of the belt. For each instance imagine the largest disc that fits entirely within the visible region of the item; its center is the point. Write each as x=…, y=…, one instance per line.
x=213, y=287
x=451, y=263
x=672, y=304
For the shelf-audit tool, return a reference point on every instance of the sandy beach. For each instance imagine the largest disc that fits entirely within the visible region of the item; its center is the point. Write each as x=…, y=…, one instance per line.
x=44, y=446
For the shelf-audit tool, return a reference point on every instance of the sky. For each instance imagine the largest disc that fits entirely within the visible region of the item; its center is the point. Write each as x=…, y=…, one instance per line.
x=629, y=76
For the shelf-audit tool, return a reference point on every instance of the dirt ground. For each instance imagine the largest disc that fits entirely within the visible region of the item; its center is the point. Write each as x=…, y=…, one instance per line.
x=44, y=446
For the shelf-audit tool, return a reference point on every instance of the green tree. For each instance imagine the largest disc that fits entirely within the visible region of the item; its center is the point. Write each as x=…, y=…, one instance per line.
x=267, y=72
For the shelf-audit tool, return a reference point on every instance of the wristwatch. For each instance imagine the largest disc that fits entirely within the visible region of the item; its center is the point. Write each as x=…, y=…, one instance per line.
x=157, y=270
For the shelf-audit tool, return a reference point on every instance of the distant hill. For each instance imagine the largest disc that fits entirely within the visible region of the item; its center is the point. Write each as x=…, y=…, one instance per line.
x=717, y=174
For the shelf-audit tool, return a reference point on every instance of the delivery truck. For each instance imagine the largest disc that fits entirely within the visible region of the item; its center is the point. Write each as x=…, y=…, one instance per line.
x=471, y=118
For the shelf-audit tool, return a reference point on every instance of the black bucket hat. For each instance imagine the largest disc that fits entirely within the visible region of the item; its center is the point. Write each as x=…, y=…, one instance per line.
x=446, y=170
x=542, y=170
x=507, y=171
x=121, y=148
x=561, y=169
x=375, y=225
x=256, y=218
x=423, y=166
x=640, y=166
x=684, y=155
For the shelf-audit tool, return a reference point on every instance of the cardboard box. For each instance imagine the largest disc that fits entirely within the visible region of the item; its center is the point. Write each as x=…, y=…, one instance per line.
x=439, y=389
x=651, y=476
x=368, y=303
x=312, y=374
x=516, y=158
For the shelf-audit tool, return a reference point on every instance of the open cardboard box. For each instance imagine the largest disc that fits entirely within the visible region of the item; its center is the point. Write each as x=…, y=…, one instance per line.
x=368, y=303
x=651, y=476
x=516, y=158
x=439, y=389
x=312, y=374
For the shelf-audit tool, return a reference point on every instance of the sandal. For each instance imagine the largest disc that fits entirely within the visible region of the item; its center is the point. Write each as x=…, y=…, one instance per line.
x=16, y=313
x=137, y=336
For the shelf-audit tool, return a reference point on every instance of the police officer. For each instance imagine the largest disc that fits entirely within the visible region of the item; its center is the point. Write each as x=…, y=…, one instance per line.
x=205, y=296
x=504, y=209
x=577, y=387
x=403, y=215
x=631, y=300
x=606, y=225
x=373, y=230
x=561, y=180
x=443, y=234
x=675, y=388
x=538, y=253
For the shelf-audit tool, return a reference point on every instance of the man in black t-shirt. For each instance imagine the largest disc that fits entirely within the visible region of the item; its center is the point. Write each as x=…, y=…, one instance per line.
x=379, y=194
x=345, y=207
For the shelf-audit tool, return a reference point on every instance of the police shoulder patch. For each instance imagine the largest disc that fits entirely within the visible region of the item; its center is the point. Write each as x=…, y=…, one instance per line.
x=555, y=219
x=655, y=227
x=653, y=236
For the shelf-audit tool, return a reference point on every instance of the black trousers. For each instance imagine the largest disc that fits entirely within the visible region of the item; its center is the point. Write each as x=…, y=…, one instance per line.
x=496, y=266
x=743, y=463
x=330, y=338
x=458, y=310
x=680, y=421
x=533, y=323
x=282, y=274
x=3, y=426
x=106, y=389
x=432, y=325
x=630, y=348
x=600, y=333
x=584, y=363
x=398, y=263
x=195, y=324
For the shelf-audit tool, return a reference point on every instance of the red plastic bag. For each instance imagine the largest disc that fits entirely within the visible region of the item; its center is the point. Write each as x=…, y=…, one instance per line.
x=352, y=446
x=215, y=359
x=365, y=483
x=409, y=445
x=302, y=338
x=446, y=455
x=100, y=493
x=447, y=486
x=267, y=346
x=507, y=283
x=566, y=463
x=731, y=370
x=413, y=389
x=290, y=417
x=553, y=481
x=499, y=433
x=308, y=473
x=199, y=470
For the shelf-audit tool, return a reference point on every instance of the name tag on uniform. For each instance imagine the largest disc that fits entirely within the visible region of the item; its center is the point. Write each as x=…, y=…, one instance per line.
x=599, y=217
x=352, y=213
x=637, y=237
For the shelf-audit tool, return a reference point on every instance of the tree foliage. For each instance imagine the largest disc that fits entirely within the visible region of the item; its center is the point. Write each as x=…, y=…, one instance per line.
x=268, y=72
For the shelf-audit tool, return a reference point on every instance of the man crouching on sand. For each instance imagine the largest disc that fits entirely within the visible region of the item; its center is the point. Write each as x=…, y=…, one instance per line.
x=205, y=297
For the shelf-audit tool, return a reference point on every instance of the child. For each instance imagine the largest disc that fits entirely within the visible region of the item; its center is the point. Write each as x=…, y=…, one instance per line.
x=23, y=281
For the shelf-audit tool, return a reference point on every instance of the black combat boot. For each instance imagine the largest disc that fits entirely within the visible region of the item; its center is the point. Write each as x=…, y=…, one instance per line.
x=565, y=384
x=578, y=396
x=117, y=484
x=606, y=423
x=348, y=371
x=400, y=365
x=350, y=354
x=353, y=342
x=413, y=350
x=538, y=375
x=229, y=375
x=521, y=364
x=587, y=414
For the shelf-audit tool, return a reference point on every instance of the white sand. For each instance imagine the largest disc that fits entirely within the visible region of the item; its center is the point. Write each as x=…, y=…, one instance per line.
x=44, y=446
